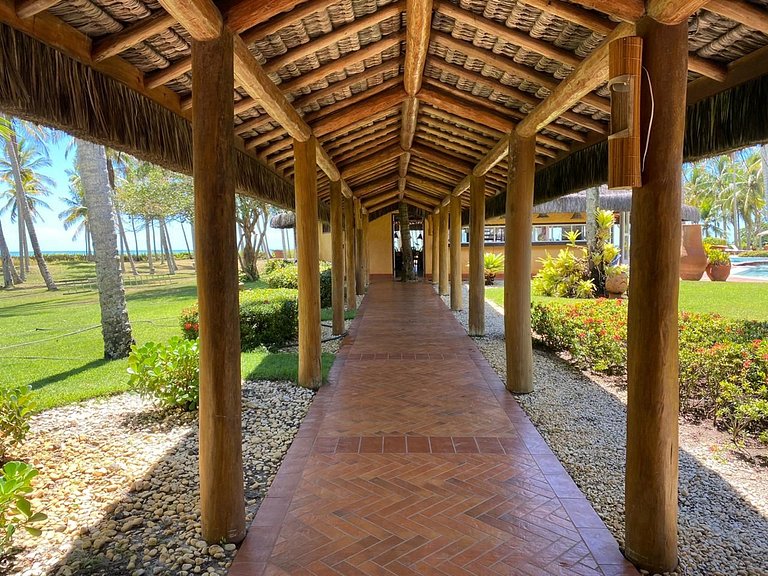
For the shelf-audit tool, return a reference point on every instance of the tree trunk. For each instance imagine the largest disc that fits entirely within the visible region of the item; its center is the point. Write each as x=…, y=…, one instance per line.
x=124, y=241
x=115, y=327
x=135, y=237
x=10, y=276
x=405, y=244
x=167, y=244
x=764, y=162
x=150, y=260
x=186, y=242
x=23, y=212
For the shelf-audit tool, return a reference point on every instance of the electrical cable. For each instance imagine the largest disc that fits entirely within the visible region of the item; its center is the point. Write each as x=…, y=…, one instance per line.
x=650, y=120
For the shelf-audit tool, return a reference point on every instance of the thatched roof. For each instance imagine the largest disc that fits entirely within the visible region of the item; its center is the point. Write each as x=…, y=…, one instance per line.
x=341, y=64
x=283, y=220
x=614, y=200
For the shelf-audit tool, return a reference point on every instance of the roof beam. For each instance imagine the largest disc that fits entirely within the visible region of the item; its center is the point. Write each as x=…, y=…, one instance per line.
x=326, y=40
x=445, y=101
x=590, y=74
x=201, y=18
x=626, y=10
x=742, y=12
x=342, y=63
x=707, y=68
x=363, y=165
x=274, y=23
x=29, y=8
x=137, y=32
x=350, y=114
x=441, y=158
x=508, y=35
x=240, y=15
x=573, y=13
x=673, y=11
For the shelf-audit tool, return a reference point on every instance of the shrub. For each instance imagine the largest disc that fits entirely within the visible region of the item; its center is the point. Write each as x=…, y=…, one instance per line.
x=16, y=407
x=723, y=363
x=169, y=373
x=285, y=274
x=755, y=254
x=275, y=263
x=716, y=257
x=713, y=241
x=268, y=317
x=564, y=276
x=15, y=510
x=326, y=289
x=493, y=263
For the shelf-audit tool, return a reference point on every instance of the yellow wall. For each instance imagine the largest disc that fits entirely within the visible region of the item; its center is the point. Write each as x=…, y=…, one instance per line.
x=325, y=243
x=380, y=246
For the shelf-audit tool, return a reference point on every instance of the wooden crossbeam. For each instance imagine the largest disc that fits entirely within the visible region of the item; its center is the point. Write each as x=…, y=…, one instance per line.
x=458, y=121
x=265, y=138
x=742, y=12
x=508, y=35
x=363, y=165
x=137, y=32
x=324, y=41
x=358, y=98
x=707, y=68
x=276, y=20
x=164, y=75
x=349, y=114
x=626, y=10
x=481, y=115
x=591, y=73
x=672, y=11
x=240, y=15
x=441, y=158
x=29, y=8
x=573, y=13
x=341, y=64
x=373, y=118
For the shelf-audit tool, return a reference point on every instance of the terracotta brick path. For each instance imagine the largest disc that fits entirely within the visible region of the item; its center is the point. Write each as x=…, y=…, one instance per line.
x=415, y=460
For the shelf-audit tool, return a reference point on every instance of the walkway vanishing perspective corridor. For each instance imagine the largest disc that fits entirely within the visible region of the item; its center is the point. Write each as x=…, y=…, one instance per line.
x=415, y=460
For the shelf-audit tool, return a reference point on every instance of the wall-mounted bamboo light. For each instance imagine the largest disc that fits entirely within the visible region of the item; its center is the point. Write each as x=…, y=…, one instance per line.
x=624, y=69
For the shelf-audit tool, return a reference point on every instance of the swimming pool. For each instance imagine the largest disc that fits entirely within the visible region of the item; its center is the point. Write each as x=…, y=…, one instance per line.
x=749, y=267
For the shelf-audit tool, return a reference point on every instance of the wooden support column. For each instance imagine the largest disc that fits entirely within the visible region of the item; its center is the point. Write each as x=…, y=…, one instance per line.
x=652, y=393
x=337, y=258
x=364, y=252
x=359, y=258
x=444, y=257
x=476, y=250
x=349, y=248
x=455, y=231
x=517, y=264
x=308, y=260
x=222, y=502
x=434, y=220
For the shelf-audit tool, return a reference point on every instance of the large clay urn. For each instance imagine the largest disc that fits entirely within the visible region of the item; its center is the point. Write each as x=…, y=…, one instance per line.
x=693, y=259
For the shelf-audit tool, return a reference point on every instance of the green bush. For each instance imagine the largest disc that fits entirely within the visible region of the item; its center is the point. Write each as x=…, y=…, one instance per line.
x=275, y=263
x=326, y=289
x=268, y=317
x=15, y=510
x=715, y=256
x=755, y=254
x=723, y=362
x=713, y=241
x=169, y=373
x=285, y=274
x=15, y=411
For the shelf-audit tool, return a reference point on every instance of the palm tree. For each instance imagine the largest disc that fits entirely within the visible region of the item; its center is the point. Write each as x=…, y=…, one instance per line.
x=10, y=276
x=76, y=214
x=20, y=170
x=115, y=327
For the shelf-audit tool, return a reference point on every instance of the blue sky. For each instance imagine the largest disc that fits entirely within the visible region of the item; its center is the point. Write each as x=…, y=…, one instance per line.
x=50, y=230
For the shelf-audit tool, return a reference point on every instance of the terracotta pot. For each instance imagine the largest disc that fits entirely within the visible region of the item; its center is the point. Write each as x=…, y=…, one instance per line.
x=693, y=258
x=617, y=283
x=718, y=272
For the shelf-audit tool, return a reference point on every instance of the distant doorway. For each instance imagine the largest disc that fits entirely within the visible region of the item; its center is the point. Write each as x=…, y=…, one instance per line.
x=417, y=246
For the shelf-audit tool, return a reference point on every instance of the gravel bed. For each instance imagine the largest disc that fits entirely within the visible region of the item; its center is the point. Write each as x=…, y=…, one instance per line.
x=119, y=483
x=723, y=523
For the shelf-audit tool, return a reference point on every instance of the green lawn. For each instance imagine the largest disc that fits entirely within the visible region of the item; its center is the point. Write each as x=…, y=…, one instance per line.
x=745, y=300
x=51, y=340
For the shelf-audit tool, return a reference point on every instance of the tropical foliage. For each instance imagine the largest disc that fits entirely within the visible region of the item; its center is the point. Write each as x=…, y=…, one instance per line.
x=730, y=193
x=168, y=373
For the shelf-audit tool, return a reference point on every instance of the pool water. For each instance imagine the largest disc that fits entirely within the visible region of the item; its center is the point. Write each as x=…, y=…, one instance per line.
x=743, y=267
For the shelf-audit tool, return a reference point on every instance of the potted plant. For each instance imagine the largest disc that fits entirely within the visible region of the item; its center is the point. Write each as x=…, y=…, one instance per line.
x=493, y=264
x=718, y=265
x=616, y=280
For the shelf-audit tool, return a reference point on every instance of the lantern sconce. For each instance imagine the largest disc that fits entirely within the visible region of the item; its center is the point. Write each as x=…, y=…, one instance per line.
x=624, y=70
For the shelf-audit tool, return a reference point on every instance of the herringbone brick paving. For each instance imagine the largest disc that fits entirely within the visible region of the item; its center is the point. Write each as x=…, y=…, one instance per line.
x=415, y=460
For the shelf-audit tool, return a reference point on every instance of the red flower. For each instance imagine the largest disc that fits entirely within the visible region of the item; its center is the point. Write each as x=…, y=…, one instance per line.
x=196, y=326
x=187, y=326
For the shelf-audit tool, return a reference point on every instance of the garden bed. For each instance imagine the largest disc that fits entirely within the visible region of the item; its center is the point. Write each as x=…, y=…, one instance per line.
x=582, y=416
x=119, y=483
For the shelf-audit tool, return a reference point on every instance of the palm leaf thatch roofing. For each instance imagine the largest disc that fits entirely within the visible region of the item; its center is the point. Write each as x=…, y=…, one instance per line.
x=119, y=72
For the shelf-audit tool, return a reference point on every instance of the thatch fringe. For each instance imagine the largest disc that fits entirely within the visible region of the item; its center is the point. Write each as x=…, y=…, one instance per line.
x=44, y=86
x=732, y=119
x=412, y=211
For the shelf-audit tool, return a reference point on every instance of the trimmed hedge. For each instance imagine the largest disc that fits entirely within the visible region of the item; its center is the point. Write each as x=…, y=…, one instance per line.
x=268, y=317
x=723, y=362
x=285, y=274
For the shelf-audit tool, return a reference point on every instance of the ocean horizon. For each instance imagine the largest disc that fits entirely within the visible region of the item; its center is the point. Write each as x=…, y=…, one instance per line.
x=15, y=254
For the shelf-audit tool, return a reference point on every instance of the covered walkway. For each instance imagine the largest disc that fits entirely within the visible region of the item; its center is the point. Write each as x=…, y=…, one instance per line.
x=416, y=460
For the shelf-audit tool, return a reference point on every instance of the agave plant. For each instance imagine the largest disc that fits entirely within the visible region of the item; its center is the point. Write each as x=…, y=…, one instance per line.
x=492, y=264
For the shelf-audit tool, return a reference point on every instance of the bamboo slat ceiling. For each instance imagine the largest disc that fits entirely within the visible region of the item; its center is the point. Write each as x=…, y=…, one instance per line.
x=343, y=65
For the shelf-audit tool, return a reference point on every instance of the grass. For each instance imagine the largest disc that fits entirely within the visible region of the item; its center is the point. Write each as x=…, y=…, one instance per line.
x=744, y=300
x=52, y=340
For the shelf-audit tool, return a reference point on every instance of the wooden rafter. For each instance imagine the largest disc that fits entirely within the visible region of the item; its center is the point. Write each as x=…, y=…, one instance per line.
x=742, y=12
x=358, y=98
x=573, y=13
x=672, y=11
x=136, y=33
x=626, y=10
x=380, y=102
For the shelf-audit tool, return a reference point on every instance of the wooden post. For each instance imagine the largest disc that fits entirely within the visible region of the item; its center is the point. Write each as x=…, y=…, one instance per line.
x=359, y=258
x=349, y=247
x=222, y=502
x=308, y=261
x=364, y=253
x=443, y=286
x=434, y=221
x=455, y=231
x=652, y=393
x=476, y=250
x=337, y=258
x=517, y=264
